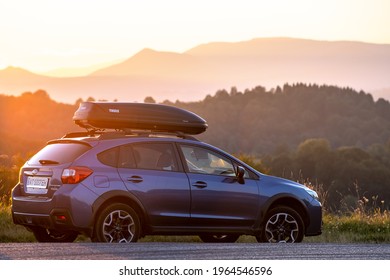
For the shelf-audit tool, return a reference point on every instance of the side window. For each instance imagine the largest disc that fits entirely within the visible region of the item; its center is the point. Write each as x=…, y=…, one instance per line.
x=126, y=157
x=109, y=157
x=154, y=156
x=200, y=160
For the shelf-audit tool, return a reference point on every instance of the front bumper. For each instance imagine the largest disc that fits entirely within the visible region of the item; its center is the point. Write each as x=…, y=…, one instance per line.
x=315, y=220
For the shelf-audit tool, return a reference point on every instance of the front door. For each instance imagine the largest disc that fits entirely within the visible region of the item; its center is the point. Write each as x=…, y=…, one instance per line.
x=217, y=198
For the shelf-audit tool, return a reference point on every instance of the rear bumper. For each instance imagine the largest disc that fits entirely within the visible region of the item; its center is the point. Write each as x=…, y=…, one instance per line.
x=58, y=219
x=51, y=221
x=58, y=212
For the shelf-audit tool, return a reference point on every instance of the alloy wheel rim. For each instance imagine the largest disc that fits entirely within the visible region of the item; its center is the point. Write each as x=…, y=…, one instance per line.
x=281, y=228
x=118, y=227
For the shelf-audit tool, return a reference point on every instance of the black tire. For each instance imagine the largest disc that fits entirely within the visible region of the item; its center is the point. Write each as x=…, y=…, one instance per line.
x=48, y=235
x=282, y=225
x=117, y=223
x=219, y=238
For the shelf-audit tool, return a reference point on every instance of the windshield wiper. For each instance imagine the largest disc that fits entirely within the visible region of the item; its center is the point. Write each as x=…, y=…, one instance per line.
x=47, y=161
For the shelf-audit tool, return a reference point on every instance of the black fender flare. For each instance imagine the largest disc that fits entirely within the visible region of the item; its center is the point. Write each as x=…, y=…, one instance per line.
x=282, y=199
x=118, y=196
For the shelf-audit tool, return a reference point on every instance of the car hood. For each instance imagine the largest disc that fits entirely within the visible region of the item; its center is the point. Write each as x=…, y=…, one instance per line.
x=277, y=181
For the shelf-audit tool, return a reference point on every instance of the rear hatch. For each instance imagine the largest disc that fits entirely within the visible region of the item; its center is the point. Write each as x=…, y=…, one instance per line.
x=41, y=175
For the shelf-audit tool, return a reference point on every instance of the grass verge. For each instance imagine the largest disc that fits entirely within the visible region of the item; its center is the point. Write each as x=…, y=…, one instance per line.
x=356, y=227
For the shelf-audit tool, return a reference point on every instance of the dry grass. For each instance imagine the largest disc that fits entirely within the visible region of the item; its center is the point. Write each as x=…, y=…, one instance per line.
x=357, y=227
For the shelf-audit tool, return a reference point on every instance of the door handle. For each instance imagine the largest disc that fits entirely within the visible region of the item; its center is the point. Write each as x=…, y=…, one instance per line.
x=135, y=179
x=200, y=184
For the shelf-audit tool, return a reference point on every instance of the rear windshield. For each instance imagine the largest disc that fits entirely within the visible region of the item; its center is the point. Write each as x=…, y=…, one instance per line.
x=59, y=153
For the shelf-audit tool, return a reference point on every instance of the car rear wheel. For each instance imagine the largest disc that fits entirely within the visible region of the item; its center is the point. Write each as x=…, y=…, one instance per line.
x=118, y=223
x=49, y=235
x=282, y=225
x=219, y=238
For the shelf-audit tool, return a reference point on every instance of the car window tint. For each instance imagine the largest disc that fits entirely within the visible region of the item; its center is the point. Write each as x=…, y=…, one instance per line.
x=126, y=157
x=59, y=153
x=156, y=156
x=200, y=160
x=109, y=157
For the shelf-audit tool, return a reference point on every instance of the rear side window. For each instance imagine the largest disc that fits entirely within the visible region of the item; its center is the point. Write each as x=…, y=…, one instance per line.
x=109, y=157
x=153, y=156
x=59, y=153
x=157, y=156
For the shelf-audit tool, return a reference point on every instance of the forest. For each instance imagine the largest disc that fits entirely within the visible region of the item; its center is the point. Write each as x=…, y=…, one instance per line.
x=337, y=140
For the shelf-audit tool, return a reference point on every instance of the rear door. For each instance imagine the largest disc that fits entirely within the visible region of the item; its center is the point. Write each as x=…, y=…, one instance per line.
x=218, y=199
x=150, y=170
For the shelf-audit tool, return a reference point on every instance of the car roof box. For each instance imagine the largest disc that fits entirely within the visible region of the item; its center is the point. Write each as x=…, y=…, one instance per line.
x=138, y=116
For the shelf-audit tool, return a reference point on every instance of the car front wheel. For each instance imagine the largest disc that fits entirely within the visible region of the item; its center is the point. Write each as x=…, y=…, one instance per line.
x=118, y=223
x=282, y=225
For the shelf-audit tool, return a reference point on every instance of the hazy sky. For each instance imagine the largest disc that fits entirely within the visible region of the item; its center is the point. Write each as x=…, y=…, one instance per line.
x=41, y=35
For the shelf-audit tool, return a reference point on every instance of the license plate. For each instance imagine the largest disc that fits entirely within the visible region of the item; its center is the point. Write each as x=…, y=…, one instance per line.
x=37, y=185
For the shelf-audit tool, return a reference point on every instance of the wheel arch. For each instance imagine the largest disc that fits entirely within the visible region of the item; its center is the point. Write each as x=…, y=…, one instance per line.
x=288, y=201
x=120, y=197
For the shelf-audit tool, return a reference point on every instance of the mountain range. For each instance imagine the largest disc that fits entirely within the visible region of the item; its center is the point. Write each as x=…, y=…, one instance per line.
x=206, y=68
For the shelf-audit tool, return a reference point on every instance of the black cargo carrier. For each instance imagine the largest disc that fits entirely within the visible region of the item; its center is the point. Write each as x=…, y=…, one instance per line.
x=138, y=116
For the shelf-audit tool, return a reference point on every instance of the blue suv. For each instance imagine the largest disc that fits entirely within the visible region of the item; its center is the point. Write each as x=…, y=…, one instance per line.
x=120, y=185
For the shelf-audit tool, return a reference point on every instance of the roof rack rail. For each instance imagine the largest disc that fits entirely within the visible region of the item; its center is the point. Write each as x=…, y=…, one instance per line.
x=120, y=133
x=178, y=134
x=78, y=134
x=145, y=133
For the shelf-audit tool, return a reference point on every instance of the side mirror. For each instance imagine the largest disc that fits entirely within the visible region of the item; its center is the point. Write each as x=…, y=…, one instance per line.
x=240, y=173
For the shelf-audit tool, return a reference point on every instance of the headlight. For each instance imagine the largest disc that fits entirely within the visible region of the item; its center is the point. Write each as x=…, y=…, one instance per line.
x=312, y=193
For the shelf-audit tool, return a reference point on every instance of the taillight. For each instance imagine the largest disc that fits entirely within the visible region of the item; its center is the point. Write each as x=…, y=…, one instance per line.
x=75, y=174
x=21, y=175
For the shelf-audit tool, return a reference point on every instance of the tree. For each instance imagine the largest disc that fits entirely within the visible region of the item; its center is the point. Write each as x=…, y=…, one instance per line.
x=149, y=99
x=315, y=161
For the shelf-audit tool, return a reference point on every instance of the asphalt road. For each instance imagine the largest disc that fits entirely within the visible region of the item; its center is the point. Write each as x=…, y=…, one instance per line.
x=192, y=251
